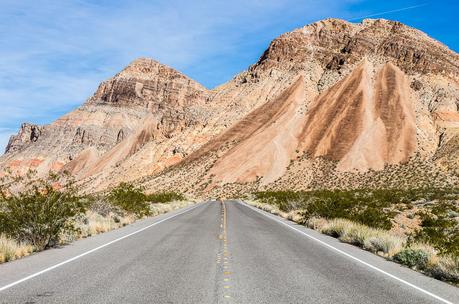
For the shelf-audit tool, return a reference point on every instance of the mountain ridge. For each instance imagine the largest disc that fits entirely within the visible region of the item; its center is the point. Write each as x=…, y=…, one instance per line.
x=366, y=96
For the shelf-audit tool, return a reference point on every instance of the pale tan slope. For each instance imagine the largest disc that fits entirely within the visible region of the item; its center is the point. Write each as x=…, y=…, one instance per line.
x=95, y=127
x=335, y=118
x=266, y=151
x=361, y=122
x=395, y=107
x=84, y=160
x=227, y=105
x=120, y=152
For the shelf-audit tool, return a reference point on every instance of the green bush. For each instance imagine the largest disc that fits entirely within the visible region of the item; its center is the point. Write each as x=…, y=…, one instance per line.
x=440, y=229
x=412, y=258
x=363, y=206
x=130, y=199
x=101, y=205
x=41, y=213
x=165, y=197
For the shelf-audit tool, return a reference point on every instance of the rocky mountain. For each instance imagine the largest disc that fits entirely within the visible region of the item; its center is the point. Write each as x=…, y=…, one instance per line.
x=332, y=104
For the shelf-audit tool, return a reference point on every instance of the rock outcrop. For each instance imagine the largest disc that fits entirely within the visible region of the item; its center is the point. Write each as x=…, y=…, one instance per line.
x=332, y=104
x=29, y=133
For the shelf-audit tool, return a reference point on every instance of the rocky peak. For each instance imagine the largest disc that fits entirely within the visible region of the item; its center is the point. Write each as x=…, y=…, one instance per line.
x=28, y=133
x=150, y=84
x=147, y=68
x=336, y=43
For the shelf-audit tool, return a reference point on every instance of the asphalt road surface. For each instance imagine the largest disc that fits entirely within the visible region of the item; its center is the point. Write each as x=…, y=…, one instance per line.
x=214, y=253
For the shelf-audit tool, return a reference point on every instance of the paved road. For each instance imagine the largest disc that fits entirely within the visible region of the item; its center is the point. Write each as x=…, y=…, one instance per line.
x=214, y=253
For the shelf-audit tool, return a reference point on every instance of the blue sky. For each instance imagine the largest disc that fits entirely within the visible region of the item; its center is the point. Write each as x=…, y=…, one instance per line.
x=53, y=54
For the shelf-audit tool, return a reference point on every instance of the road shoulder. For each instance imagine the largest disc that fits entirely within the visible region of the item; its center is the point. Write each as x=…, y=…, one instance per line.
x=441, y=291
x=42, y=261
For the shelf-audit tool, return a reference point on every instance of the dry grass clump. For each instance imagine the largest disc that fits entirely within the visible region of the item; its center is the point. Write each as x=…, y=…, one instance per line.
x=94, y=223
x=274, y=209
x=316, y=223
x=160, y=208
x=446, y=268
x=11, y=250
x=371, y=239
x=384, y=242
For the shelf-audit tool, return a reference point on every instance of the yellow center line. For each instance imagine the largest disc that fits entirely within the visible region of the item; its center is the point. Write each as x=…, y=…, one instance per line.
x=224, y=238
x=224, y=220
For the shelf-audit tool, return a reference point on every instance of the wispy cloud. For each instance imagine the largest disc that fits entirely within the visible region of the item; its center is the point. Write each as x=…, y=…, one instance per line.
x=388, y=12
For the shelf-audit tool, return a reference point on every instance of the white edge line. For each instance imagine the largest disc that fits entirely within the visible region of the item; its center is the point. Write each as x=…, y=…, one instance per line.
x=349, y=255
x=93, y=250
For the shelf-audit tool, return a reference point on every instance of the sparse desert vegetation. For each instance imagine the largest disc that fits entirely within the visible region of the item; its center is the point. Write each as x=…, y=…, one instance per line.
x=369, y=219
x=11, y=249
x=51, y=211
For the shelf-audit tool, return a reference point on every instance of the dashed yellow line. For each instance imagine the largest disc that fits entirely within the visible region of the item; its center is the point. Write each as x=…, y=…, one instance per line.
x=224, y=237
x=224, y=221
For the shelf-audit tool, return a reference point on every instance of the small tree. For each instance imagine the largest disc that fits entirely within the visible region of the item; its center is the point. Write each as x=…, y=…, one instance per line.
x=41, y=212
x=130, y=199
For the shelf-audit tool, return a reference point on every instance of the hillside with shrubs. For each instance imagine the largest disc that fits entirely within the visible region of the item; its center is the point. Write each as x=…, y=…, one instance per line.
x=52, y=211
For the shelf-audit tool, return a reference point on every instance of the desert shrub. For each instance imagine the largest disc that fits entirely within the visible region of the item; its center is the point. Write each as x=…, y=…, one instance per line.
x=412, y=258
x=283, y=199
x=363, y=206
x=440, y=228
x=130, y=199
x=350, y=206
x=446, y=269
x=371, y=207
x=100, y=204
x=420, y=256
x=165, y=197
x=41, y=213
